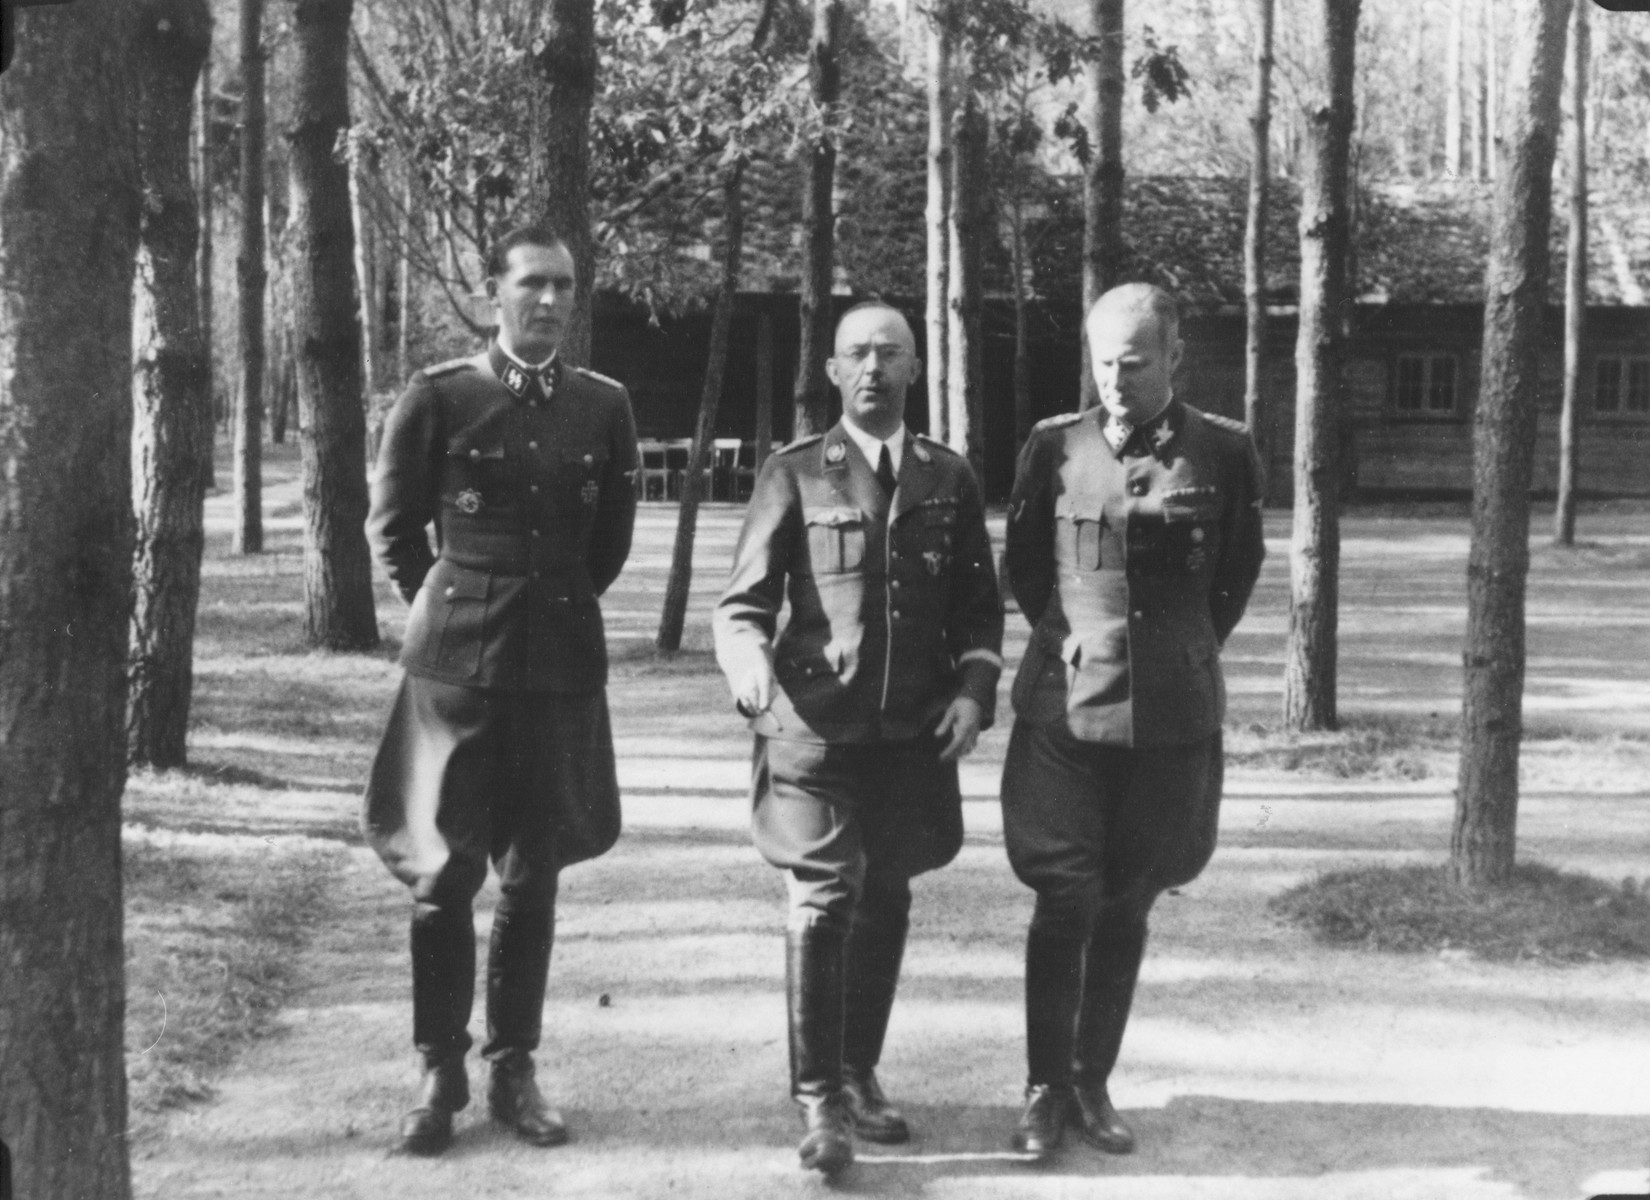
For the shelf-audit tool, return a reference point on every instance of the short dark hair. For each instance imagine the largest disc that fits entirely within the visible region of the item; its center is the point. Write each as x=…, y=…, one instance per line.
x=538, y=233
x=884, y=306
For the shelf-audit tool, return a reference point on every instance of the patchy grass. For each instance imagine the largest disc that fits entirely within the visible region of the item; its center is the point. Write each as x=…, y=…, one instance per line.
x=1368, y=747
x=1541, y=914
x=213, y=929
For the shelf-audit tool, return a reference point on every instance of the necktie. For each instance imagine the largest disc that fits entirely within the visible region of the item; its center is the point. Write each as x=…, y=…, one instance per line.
x=885, y=471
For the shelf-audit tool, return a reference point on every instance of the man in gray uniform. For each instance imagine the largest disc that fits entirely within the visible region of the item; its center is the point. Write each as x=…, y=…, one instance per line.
x=882, y=679
x=498, y=746
x=1134, y=539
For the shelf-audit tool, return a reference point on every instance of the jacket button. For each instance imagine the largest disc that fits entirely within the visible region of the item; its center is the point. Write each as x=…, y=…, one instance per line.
x=532, y=445
x=1138, y=615
x=449, y=590
x=893, y=583
x=588, y=459
x=474, y=452
x=537, y=533
x=1138, y=487
x=534, y=488
x=894, y=614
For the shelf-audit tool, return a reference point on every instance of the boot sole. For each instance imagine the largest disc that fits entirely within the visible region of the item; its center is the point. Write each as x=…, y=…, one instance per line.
x=829, y=1159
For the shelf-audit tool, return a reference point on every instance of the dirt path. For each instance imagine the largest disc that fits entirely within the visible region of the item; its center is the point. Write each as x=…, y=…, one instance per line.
x=1257, y=1065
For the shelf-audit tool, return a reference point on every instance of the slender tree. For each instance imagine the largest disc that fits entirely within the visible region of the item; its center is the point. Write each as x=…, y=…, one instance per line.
x=560, y=164
x=811, y=394
x=172, y=429
x=1486, y=806
x=1315, y=544
x=1575, y=280
x=965, y=424
x=1103, y=173
x=338, y=602
x=680, y=582
x=251, y=275
x=205, y=157
x=939, y=37
x=1454, y=40
x=1254, y=233
x=70, y=202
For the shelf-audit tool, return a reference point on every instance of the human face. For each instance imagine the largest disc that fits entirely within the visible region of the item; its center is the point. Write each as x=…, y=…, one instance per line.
x=534, y=300
x=874, y=364
x=1133, y=362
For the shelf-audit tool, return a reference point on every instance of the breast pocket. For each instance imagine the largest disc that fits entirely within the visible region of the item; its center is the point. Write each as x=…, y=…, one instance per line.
x=1082, y=524
x=836, y=539
x=477, y=471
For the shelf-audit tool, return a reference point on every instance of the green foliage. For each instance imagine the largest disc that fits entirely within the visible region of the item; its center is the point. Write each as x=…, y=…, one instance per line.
x=1540, y=914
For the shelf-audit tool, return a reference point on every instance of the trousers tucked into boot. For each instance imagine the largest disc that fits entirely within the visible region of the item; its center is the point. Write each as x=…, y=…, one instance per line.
x=875, y=948
x=1110, y=969
x=518, y=964
x=444, y=979
x=814, y=999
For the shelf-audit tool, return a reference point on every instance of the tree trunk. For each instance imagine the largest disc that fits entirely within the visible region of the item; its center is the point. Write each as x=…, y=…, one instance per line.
x=366, y=280
x=171, y=434
x=338, y=603
x=251, y=274
x=680, y=582
x=966, y=377
x=560, y=166
x=1492, y=92
x=205, y=157
x=70, y=204
x=403, y=283
x=1453, y=160
x=283, y=381
x=1486, y=808
x=1315, y=544
x=811, y=394
x=1103, y=177
x=1025, y=415
x=940, y=152
x=764, y=388
x=1254, y=234
x=1575, y=281
x=1478, y=104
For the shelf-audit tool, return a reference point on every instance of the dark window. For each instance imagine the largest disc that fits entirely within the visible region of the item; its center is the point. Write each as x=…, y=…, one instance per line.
x=1621, y=385
x=1426, y=384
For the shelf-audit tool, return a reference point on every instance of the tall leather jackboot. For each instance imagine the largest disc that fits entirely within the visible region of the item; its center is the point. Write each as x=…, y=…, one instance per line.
x=1054, y=967
x=813, y=993
x=876, y=945
x=443, y=944
x=1111, y=968
x=518, y=963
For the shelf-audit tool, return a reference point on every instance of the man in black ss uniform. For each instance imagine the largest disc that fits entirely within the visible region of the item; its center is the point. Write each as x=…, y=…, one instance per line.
x=882, y=678
x=1134, y=539
x=498, y=746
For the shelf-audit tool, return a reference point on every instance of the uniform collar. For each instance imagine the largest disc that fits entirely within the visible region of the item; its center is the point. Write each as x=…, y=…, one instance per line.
x=518, y=377
x=1155, y=436
x=871, y=446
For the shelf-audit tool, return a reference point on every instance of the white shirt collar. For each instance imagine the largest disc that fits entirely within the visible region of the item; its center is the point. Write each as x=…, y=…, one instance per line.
x=871, y=446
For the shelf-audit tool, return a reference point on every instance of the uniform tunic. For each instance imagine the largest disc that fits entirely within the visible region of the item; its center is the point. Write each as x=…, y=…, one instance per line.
x=1132, y=553
x=499, y=745
x=894, y=612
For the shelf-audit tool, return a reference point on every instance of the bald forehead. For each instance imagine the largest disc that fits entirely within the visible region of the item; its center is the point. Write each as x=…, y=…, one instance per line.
x=864, y=326
x=1135, y=306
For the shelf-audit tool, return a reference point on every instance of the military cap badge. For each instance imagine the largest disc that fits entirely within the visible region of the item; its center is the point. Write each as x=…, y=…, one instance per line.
x=468, y=501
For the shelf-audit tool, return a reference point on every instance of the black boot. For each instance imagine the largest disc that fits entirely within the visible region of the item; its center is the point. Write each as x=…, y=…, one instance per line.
x=514, y=1100
x=443, y=944
x=813, y=991
x=876, y=944
x=428, y=1128
x=1054, y=964
x=1111, y=967
x=518, y=963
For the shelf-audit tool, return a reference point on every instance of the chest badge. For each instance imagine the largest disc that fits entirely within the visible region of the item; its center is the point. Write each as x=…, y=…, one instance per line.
x=590, y=492
x=933, y=560
x=468, y=501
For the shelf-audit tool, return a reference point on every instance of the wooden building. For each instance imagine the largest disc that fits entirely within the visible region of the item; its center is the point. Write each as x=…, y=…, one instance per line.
x=1412, y=352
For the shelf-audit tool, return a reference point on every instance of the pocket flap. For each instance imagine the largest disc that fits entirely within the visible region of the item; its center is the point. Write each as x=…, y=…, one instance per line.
x=832, y=517
x=464, y=584
x=1080, y=508
x=474, y=448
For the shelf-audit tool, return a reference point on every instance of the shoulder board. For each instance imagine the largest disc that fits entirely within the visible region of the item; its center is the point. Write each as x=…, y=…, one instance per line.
x=800, y=443
x=1057, y=421
x=448, y=367
x=937, y=444
x=599, y=377
x=1222, y=422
